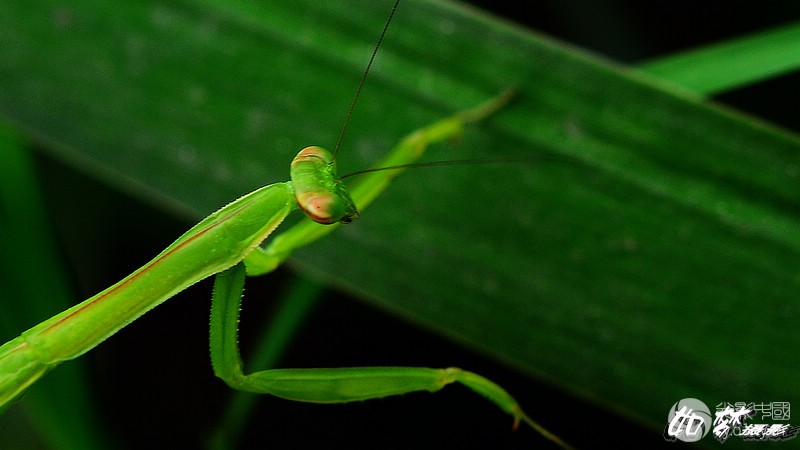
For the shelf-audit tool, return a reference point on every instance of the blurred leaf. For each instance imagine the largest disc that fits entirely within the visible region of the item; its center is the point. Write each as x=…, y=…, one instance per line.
x=731, y=64
x=59, y=408
x=648, y=253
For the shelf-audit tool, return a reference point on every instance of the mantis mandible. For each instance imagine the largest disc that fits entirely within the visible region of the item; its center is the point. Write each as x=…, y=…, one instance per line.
x=227, y=244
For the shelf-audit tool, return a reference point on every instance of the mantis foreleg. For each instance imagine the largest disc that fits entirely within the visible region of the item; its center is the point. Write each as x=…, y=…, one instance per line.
x=333, y=385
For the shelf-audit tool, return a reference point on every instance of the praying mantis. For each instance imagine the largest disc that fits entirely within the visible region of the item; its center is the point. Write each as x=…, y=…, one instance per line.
x=223, y=245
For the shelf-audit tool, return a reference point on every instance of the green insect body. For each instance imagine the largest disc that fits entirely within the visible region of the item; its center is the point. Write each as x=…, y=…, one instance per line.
x=222, y=244
x=217, y=243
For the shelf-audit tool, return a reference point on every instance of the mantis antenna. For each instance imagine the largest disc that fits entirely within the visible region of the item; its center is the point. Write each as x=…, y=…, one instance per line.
x=363, y=79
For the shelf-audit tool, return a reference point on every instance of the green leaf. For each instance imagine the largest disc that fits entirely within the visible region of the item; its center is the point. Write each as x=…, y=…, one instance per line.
x=732, y=64
x=34, y=285
x=648, y=253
